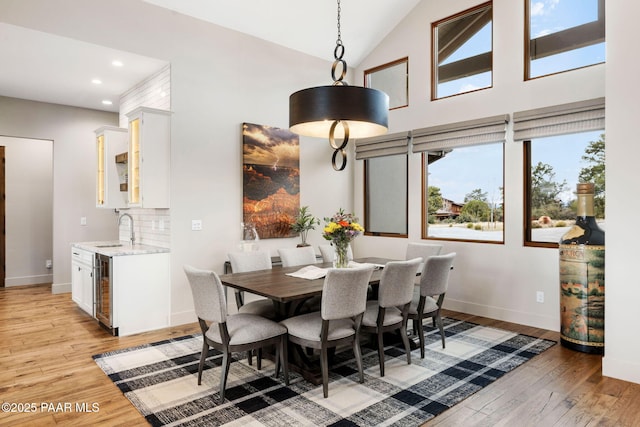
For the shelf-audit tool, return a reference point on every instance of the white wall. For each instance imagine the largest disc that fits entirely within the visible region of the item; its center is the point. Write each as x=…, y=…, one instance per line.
x=497, y=281
x=622, y=342
x=500, y=281
x=29, y=210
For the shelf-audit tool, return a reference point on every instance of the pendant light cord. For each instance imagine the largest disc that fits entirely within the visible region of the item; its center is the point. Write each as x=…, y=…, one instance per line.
x=339, y=148
x=338, y=53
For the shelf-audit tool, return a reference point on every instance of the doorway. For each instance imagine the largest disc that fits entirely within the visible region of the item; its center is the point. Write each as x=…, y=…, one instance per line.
x=26, y=211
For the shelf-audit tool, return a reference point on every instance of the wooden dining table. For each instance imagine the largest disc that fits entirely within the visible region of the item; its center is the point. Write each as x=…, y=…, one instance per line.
x=288, y=293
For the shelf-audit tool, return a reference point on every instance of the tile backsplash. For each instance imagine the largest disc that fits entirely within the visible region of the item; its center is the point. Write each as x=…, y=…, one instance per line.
x=151, y=226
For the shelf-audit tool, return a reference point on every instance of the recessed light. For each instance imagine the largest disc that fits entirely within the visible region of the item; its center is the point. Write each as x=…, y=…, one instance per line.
x=107, y=102
x=117, y=63
x=96, y=81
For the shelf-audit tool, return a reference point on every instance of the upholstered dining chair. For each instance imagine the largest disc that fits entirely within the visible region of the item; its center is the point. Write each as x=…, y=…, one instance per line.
x=423, y=250
x=328, y=252
x=390, y=311
x=344, y=294
x=434, y=281
x=242, y=262
x=231, y=333
x=291, y=257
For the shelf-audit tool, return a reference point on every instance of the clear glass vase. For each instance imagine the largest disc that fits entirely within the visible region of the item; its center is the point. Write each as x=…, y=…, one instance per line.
x=340, y=258
x=250, y=237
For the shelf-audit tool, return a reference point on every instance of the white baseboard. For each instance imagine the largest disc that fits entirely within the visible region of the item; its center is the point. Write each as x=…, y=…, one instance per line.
x=28, y=280
x=182, y=318
x=499, y=313
x=60, y=288
x=625, y=370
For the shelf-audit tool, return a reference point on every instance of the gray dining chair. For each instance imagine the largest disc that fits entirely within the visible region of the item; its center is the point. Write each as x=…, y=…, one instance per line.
x=231, y=333
x=422, y=250
x=434, y=282
x=242, y=262
x=344, y=294
x=390, y=312
x=328, y=252
x=292, y=257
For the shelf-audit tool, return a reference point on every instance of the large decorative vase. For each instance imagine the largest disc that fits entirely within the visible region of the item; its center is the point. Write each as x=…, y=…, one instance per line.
x=340, y=259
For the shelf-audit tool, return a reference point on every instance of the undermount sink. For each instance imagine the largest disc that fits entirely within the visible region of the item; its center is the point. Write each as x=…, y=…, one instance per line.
x=109, y=245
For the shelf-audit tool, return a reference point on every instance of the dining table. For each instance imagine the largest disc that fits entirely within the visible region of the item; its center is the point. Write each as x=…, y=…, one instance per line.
x=288, y=293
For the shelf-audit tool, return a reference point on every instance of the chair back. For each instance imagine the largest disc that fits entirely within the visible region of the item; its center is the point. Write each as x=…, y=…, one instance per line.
x=435, y=276
x=208, y=294
x=344, y=293
x=424, y=250
x=291, y=257
x=328, y=252
x=249, y=261
x=397, y=283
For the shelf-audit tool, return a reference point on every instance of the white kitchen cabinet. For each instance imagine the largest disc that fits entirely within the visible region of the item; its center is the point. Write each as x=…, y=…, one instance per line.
x=127, y=287
x=141, y=292
x=82, y=279
x=149, y=158
x=110, y=142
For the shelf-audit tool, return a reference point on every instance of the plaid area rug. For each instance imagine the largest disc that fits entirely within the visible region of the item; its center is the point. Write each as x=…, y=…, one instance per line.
x=160, y=380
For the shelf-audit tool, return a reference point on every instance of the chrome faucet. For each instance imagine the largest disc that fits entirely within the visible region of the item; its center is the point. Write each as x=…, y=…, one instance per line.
x=132, y=236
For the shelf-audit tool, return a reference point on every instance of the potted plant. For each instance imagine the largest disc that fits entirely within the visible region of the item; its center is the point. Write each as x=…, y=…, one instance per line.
x=304, y=222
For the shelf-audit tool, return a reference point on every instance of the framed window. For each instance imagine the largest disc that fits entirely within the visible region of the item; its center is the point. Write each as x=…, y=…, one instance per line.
x=386, y=181
x=554, y=166
x=562, y=36
x=392, y=79
x=462, y=52
x=463, y=180
x=563, y=145
x=386, y=196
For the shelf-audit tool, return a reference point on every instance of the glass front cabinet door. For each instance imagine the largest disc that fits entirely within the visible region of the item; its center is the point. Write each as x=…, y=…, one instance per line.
x=149, y=158
x=110, y=142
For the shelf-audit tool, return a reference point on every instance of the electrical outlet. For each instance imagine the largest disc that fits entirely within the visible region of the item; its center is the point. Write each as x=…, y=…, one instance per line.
x=196, y=224
x=48, y=264
x=540, y=297
x=83, y=220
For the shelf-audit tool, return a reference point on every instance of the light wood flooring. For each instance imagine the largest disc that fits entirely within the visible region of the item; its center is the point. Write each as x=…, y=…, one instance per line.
x=47, y=344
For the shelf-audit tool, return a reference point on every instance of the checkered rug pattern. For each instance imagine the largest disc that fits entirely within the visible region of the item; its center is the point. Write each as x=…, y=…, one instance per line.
x=160, y=380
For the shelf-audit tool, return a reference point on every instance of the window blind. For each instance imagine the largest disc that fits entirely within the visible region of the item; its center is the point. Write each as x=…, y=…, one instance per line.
x=384, y=145
x=575, y=117
x=461, y=134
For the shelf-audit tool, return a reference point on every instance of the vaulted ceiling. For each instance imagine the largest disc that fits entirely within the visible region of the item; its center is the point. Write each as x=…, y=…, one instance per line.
x=50, y=68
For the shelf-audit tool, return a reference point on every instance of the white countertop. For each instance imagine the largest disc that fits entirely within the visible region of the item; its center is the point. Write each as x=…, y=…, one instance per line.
x=117, y=248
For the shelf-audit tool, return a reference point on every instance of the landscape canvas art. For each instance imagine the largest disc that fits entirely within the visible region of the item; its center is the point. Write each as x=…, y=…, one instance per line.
x=271, y=179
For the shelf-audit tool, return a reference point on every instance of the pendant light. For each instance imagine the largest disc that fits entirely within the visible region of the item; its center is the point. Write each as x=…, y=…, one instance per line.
x=339, y=110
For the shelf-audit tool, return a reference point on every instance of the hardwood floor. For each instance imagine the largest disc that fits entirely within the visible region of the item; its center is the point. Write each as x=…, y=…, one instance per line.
x=47, y=344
